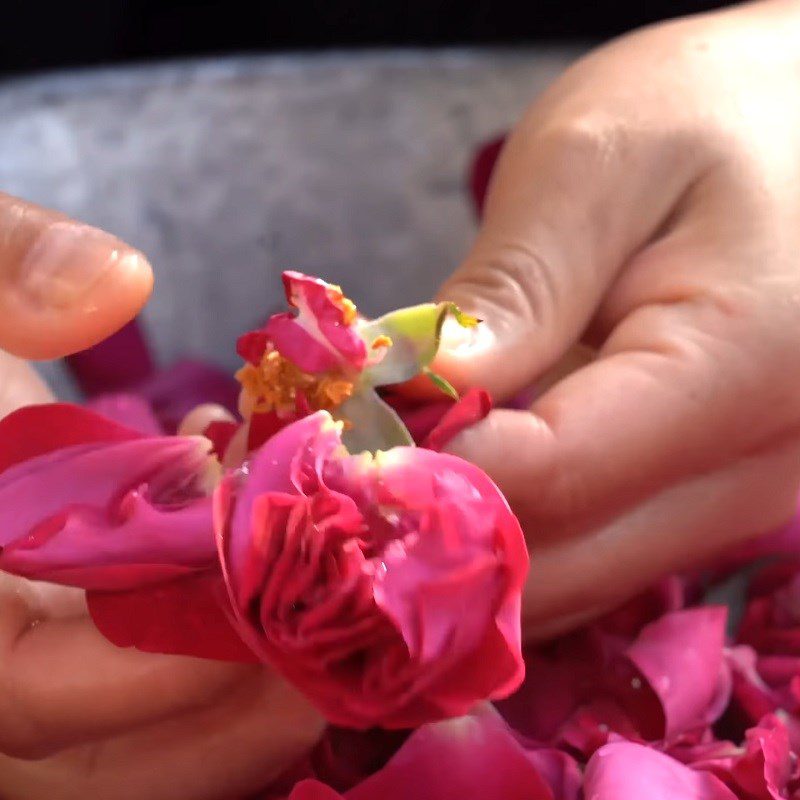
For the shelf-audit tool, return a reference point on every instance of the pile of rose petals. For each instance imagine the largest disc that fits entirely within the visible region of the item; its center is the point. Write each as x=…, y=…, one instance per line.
x=654, y=701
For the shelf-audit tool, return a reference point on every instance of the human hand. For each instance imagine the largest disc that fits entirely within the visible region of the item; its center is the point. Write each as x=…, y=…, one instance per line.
x=648, y=206
x=80, y=718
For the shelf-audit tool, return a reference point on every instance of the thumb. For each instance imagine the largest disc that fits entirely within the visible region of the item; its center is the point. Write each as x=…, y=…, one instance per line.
x=569, y=202
x=63, y=285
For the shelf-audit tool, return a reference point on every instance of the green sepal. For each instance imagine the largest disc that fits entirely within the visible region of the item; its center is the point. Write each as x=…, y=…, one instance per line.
x=415, y=333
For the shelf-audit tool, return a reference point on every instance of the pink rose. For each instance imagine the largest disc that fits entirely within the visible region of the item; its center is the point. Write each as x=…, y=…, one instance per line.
x=387, y=588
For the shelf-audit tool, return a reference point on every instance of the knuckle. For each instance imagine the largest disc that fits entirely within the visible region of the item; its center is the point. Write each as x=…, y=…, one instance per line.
x=516, y=278
x=590, y=141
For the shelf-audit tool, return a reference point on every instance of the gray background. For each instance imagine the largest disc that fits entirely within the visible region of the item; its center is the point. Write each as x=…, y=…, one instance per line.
x=225, y=172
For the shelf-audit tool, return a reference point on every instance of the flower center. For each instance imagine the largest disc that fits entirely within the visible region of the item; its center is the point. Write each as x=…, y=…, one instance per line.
x=276, y=384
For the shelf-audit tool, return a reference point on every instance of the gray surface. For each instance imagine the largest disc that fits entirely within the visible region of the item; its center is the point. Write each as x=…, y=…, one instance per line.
x=226, y=172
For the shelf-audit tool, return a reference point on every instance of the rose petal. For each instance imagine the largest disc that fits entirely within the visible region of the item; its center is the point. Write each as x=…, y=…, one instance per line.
x=387, y=588
x=321, y=308
x=118, y=363
x=681, y=657
x=220, y=433
x=129, y=410
x=560, y=771
x=474, y=406
x=100, y=512
x=473, y=756
x=766, y=768
x=299, y=346
x=251, y=345
x=36, y=430
x=273, y=464
x=186, y=616
x=311, y=789
x=176, y=391
x=628, y=771
x=420, y=417
x=482, y=169
x=433, y=423
x=322, y=336
x=753, y=697
x=552, y=690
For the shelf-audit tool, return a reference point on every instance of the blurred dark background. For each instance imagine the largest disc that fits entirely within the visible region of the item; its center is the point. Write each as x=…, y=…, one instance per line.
x=47, y=35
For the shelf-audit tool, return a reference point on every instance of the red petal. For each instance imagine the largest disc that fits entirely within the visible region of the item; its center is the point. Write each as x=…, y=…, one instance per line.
x=251, y=345
x=220, y=433
x=36, y=430
x=263, y=427
x=474, y=406
x=183, y=617
x=313, y=790
x=116, y=364
x=482, y=169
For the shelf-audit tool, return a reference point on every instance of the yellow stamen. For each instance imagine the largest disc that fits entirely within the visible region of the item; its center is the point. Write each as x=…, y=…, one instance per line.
x=350, y=311
x=274, y=385
x=380, y=342
x=348, y=307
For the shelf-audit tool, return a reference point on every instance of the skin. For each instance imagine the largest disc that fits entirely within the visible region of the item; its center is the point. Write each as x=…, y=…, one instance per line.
x=645, y=207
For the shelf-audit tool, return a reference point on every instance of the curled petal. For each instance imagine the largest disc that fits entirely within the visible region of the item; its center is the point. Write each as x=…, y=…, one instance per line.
x=681, y=658
x=109, y=510
x=322, y=336
x=623, y=770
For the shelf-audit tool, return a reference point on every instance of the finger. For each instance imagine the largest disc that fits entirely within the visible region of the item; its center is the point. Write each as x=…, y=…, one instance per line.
x=579, y=579
x=61, y=682
x=63, y=285
x=674, y=382
x=233, y=748
x=574, y=196
x=19, y=385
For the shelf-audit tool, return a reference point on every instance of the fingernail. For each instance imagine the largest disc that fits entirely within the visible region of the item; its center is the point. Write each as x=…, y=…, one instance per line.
x=67, y=259
x=459, y=340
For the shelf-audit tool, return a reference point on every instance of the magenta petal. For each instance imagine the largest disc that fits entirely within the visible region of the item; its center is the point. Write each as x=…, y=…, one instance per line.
x=766, y=768
x=174, y=392
x=270, y=470
x=474, y=756
x=107, y=516
x=628, y=771
x=300, y=347
x=130, y=410
x=322, y=314
x=313, y=790
x=560, y=771
x=116, y=364
x=753, y=697
x=681, y=657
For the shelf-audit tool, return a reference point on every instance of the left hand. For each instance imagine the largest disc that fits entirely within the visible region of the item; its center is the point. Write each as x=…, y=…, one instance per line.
x=80, y=718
